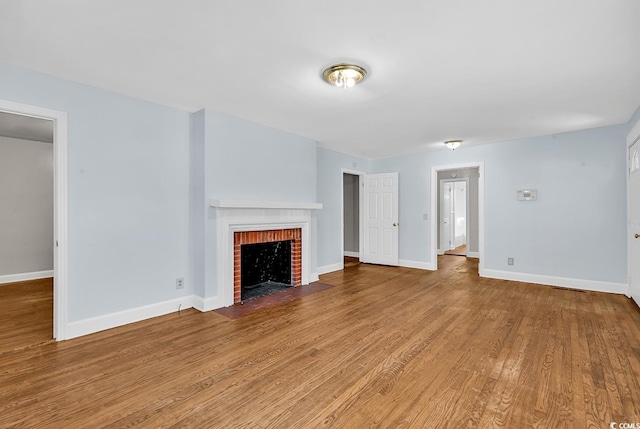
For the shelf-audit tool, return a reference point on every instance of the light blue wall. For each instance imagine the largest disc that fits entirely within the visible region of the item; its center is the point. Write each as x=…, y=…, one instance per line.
x=413, y=201
x=247, y=161
x=577, y=227
x=197, y=206
x=141, y=175
x=635, y=118
x=329, y=219
x=128, y=172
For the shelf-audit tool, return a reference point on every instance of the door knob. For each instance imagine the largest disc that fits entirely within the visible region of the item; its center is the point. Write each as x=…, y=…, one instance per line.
x=637, y=235
x=395, y=224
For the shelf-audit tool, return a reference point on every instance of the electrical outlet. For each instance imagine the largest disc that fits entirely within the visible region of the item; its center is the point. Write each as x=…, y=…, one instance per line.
x=180, y=283
x=509, y=261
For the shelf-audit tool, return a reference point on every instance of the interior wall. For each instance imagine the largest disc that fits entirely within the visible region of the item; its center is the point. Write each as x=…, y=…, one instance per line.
x=246, y=161
x=580, y=178
x=351, y=208
x=128, y=193
x=26, y=218
x=472, y=190
x=329, y=219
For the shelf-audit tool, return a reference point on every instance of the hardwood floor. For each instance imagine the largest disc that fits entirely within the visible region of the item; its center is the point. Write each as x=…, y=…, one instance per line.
x=27, y=314
x=385, y=347
x=458, y=251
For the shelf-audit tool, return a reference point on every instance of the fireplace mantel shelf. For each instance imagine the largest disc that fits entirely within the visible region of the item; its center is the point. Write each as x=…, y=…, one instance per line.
x=235, y=204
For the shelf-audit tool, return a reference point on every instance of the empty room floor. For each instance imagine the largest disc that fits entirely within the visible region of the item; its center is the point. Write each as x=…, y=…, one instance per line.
x=385, y=347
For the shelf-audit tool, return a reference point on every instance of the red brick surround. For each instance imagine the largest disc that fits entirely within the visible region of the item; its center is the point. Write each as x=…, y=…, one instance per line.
x=252, y=237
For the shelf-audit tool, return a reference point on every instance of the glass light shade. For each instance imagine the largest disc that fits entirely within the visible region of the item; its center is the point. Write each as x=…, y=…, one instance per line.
x=453, y=144
x=344, y=75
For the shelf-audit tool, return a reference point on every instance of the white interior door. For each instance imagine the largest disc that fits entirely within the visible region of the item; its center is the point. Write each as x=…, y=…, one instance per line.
x=460, y=214
x=446, y=211
x=380, y=241
x=634, y=221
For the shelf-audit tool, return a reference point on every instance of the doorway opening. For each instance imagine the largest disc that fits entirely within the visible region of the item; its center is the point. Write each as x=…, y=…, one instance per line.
x=58, y=182
x=351, y=217
x=457, y=210
x=26, y=229
x=454, y=217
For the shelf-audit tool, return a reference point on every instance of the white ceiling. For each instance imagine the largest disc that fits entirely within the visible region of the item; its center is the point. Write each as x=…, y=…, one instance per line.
x=482, y=71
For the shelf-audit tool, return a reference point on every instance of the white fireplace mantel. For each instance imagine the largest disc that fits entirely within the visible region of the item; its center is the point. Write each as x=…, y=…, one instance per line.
x=237, y=204
x=235, y=216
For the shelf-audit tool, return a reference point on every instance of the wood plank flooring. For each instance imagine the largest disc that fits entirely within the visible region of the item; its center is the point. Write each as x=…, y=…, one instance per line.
x=385, y=347
x=26, y=318
x=458, y=251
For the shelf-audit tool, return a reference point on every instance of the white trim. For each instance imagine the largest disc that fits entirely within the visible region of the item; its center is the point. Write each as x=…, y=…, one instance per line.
x=434, y=211
x=632, y=138
x=416, y=264
x=361, y=176
x=330, y=268
x=113, y=320
x=11, y=278
x=351, y=254
x=207, y=304
x=629, y=228
x=475, y=255
x=313, y=277
x=60, y=221
x=591, y=285
x=234, y=204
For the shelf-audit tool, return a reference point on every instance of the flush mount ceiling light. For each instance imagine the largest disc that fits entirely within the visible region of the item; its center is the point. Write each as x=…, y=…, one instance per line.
x=453, y=144
x=344, y=75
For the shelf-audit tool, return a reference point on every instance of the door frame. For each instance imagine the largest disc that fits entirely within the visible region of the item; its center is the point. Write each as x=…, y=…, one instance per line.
x=60, y=207
x=360, y=175
x=632, y=137
x=433, y=239
x=440, y=186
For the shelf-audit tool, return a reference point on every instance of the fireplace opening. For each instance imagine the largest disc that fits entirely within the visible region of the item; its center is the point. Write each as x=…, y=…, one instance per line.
x=265, y=268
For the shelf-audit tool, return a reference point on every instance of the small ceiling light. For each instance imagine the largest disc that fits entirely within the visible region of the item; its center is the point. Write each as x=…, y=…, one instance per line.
x=453, y=144
x=344, y=75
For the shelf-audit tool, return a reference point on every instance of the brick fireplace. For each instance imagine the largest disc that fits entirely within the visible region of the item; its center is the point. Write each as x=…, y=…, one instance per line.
x=241, y=238
x=239, y=222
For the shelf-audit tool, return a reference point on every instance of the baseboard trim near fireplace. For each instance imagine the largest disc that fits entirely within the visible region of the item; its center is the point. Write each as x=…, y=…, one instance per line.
x=125, y=317
x=330, y=268
x=207, y=304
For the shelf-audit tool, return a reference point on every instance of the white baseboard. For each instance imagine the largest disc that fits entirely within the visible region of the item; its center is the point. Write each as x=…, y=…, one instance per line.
x=416, y=264
x=330, y=268
x=10, y=278
x=591, y=285
x=475, y=255
x=352, y=254
x=207, y=304
x=314, y=277
x=108, y=321
x=440, y=252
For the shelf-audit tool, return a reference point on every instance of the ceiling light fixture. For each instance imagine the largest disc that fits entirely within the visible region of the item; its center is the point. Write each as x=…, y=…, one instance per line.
x=453, y=144
x=344, y=75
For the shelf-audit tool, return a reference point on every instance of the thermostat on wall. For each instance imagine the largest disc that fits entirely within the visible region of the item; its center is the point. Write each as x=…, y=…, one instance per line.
x=528, y=195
